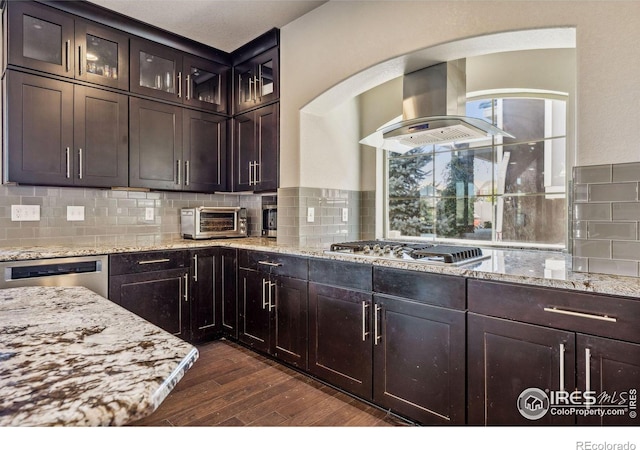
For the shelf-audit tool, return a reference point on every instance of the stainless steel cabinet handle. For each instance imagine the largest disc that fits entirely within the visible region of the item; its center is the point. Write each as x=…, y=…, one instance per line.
x=154, y=261
x=239, y=88
x=68, y=162
x=179, y=172
x=179, y=83
x=364, y=321
x=80, y=62
x=579, y=314
x=587, y=369
x=268, y=263
x=271, y=305
x=186, y=287
x=256, y=82
x=80, y=163
x=67, y=50
x=562, y=349
x=186, y=173
x=195, y=268
x=376, y=335
x=256, y=176
x=265, y=283
x=188, y=86
x=250, y=173
x=250, y=93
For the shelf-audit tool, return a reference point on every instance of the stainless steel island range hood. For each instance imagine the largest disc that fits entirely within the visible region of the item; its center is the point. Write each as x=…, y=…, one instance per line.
x=433, y=112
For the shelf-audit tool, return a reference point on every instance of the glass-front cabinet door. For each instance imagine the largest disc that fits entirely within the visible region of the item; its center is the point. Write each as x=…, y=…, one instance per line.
x=257, y=81
x=102, y=55
x=42, y=38
x=156, y=70
x=205, y=83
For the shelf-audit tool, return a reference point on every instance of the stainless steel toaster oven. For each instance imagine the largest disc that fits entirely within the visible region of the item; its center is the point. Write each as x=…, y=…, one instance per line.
x=210, y=222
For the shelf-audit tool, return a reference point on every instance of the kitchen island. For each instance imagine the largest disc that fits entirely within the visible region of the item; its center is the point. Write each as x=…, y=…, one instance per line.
x=70, y=357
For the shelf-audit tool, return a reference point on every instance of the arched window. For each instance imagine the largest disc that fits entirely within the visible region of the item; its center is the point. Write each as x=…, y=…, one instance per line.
x=510, y=191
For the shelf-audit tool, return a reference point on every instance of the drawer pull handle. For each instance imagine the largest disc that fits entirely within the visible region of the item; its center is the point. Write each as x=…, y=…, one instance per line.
x=579, y=314
x=267, y=263
x=154, y=261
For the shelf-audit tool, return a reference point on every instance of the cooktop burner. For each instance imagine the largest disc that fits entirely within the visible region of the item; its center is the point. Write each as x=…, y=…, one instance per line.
x=411, y=251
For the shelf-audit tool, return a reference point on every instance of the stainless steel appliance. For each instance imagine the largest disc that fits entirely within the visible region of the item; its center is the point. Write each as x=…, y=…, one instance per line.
x=429, y=253
x=210, y=222
x=88, y=271
x=269, y=221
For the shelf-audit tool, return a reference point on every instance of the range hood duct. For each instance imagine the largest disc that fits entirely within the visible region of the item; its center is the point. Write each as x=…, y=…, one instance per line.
x=433, y=112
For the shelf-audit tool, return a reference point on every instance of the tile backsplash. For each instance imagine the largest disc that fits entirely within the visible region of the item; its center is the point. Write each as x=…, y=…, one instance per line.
x=606, y=219
x=111, y=216
x=330, y=223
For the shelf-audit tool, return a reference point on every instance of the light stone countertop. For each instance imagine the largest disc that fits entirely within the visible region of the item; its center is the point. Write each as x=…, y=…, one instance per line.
x=71, y=357
x=531, y=267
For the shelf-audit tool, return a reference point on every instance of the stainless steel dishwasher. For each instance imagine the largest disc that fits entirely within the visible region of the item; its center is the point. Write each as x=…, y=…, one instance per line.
x=91, y=272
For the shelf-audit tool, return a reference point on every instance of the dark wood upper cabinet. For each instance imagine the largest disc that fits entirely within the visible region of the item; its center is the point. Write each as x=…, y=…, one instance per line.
x=155, y=145
x=101, y=142
x=257, y=81
x=205, y=84
x=59, y=134
x=165, y=73
x=51, y=41
x=204, y=151
x=156, y=70
x=41, y=38
x=102, y=55
x=174, y=148
x=255, y=150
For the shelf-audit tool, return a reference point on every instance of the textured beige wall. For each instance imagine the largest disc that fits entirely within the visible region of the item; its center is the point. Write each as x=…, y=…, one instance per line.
x=342, y=38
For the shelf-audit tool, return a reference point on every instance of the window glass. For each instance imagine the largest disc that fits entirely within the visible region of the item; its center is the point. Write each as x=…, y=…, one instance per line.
x=507, y=190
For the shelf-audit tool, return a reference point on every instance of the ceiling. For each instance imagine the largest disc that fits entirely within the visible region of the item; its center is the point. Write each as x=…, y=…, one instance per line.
x=222, y=24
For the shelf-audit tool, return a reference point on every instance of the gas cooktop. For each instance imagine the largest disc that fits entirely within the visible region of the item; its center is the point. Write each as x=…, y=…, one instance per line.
x=438, y=254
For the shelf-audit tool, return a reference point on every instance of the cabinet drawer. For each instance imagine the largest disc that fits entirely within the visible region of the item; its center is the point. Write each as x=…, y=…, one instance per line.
x=436, y=289
x=341, y=273
x=274, y=263
x=597, y=314
x=145, y=262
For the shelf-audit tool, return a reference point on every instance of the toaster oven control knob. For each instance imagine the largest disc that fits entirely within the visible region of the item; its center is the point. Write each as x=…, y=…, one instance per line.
x=366, y=249
x=386, y=249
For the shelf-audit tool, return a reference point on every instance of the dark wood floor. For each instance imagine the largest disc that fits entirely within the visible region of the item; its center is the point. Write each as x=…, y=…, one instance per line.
x=230, y=385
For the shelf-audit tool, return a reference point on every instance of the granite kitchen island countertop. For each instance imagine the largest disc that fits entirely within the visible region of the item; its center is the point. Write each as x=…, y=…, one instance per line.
x=71, y=357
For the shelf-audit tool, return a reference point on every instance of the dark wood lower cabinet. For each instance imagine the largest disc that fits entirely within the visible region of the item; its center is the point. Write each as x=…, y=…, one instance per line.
x=611, y=369
x=157, y=296
x=273, y=315
x=505, y=358
x=212, y=293
x=340, y=338
x=419, y=360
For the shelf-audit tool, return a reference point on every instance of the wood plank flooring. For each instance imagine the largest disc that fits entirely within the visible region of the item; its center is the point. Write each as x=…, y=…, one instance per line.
x=230, y=385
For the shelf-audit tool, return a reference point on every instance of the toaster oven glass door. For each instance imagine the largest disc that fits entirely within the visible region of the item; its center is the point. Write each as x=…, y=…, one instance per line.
x=217, y=222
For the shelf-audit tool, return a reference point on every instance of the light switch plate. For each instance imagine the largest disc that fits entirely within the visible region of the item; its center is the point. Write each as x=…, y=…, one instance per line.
x=345, y=214
x=148, y=214
x=25, y=213
x=75, y=213
x=311, y=214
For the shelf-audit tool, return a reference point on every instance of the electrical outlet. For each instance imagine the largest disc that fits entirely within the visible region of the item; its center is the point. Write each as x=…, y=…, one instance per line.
x=345, y=214
x=25, y=213
x=311, y=212
x=75, y=213
x=148, y=214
